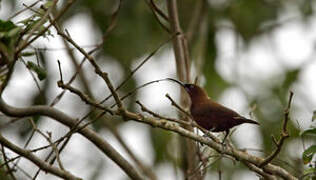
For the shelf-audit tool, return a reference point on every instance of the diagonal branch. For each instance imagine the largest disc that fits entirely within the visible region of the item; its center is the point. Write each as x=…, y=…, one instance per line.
x=228, y=150
x=83, y=97
x=113, y=22
x=156, y=11
x=97, y=69
x=61, y=117
x=43, y=165
x=6, y=163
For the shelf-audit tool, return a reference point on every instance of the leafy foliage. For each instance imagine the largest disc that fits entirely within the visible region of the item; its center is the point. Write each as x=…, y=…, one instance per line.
x=9, y=34
x=308, y=154
x=41, y=73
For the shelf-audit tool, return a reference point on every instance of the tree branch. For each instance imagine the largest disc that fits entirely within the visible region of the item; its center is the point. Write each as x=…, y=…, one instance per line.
x=233, y=152
x=30, y=156
x=161, y=123
x=61, y=117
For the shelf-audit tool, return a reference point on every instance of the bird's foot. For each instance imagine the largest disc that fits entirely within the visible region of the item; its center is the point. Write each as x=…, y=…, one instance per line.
x=223, y=142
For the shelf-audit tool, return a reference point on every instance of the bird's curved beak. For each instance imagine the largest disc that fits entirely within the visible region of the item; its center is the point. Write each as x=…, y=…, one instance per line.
x=174, y=80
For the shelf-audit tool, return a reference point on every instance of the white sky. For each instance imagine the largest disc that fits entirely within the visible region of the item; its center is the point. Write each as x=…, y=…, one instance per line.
x=293, y=43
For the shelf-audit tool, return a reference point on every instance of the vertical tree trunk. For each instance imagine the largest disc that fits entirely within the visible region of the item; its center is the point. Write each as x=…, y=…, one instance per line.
x=182, y=63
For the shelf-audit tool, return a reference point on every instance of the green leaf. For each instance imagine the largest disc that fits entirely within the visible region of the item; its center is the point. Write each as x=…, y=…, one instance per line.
x=26, y=54
x=308, y=154
x=41, y=72
x=314, y=115
x=309, y=132
x=9, y=34
x=6, y=26
x=8, y=30
x=14, y=32
x=48, y=4
x=306, y=8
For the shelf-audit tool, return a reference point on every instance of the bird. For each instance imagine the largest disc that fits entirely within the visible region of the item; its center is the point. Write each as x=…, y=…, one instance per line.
x=209, y=114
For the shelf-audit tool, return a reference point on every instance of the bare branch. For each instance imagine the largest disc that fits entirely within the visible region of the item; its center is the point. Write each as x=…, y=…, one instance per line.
x=61, y=117
x=164, y=124
x=284, y=134
x=6, y=162
x=155, y=10
x=173, y=103
x=145, y=109
x=105, y=36
x=60, y=72
x=260, y=171
x=30, y=156
x=24, y=9
x=160, y=12
x=228, y=150
x=135, y=70
x=83, y=97
x=97, y=69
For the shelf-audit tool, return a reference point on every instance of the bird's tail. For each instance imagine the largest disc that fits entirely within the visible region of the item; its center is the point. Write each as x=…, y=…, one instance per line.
x=245, y=120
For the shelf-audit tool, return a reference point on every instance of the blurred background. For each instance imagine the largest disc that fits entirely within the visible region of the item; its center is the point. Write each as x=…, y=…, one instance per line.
x=247, y=54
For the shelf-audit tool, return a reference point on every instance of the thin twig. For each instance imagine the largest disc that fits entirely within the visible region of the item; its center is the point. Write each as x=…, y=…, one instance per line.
x=60, y=72
x=136, y=69
x=260, y=172
x=70, y=122
x=83, y=97
x=284, y=134
x=24, y=9
x=137, y=88
x=160, y=12
x=145, y=109
x=45, y=166
x=9, y=160
x=173, y=103
x=5, y=159
x=97, y=69
x=156, y=11
x=105, y=36
x=33, y=76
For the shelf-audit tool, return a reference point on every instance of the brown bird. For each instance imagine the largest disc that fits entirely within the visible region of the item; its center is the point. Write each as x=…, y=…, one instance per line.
x=209, y=114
